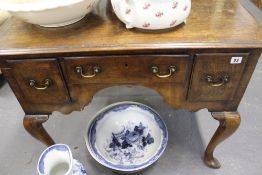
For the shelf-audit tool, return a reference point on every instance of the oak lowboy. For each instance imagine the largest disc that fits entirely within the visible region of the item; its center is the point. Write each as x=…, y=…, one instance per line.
x=203, y=64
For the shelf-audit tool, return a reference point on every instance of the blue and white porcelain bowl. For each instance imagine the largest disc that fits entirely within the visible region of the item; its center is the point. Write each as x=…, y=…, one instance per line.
x=127, y=136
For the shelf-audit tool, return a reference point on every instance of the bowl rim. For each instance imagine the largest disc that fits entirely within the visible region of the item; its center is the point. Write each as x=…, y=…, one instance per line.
x=154, y=158
x=35, y=6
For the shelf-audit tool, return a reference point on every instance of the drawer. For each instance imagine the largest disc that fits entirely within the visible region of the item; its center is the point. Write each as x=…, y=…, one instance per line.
x=40, y=81
x=216, y=76
x=128, y=69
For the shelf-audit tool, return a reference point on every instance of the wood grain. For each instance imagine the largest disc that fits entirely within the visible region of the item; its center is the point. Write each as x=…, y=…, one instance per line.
x=215, y=32
x=128, y=69
x=228, y=124
x=34, y=125
x=216, y=24
x=258, y=3
x=39, y=70
x=216, y=65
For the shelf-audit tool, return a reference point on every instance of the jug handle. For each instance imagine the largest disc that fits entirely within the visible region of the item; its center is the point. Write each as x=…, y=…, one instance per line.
x=125, y=14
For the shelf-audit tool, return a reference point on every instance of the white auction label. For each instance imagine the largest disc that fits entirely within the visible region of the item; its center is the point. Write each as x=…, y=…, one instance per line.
x=236, y=60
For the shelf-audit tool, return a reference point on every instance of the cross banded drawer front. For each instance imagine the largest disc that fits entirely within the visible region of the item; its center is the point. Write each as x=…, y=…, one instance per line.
x=216, y=76
x=127, y=69
x=40, y=81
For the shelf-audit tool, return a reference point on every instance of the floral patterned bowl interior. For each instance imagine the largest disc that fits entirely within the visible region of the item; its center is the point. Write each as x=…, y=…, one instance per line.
x=127, y=136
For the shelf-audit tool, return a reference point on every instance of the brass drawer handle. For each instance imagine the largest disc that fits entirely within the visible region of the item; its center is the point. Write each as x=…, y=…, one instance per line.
x=44, y=86
x=218, y=81
x=155, y=70
x=96, y=69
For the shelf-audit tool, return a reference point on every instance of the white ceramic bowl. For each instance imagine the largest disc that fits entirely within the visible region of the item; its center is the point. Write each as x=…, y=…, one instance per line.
x=126, y=136
x=49, y=13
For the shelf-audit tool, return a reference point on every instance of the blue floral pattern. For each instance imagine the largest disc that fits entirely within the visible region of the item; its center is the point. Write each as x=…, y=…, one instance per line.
x=130, y=143
x=78, y=168
x=128, y=167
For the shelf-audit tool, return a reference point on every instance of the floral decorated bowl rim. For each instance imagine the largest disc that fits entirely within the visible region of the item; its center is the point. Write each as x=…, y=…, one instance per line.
x=99, y=115
x=36, y=6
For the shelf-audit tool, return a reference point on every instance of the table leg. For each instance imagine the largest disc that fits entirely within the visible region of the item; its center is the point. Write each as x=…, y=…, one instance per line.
x=33, y=125
x=229, y=122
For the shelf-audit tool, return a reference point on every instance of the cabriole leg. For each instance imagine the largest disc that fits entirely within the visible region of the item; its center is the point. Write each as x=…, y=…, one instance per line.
x=33, y=125
x=228, y=124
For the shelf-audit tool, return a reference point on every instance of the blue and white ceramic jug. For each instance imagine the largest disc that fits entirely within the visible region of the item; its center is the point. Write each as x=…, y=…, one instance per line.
x=58, y=160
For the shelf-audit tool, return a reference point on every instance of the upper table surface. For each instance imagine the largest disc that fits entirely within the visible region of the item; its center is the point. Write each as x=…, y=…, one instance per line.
x=211, y=24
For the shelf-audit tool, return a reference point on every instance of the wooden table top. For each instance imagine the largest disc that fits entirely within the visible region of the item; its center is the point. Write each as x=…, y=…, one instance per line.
x=211, y=24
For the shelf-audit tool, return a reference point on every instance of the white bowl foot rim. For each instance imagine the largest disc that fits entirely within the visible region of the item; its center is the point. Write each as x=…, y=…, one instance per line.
x=63, y=23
